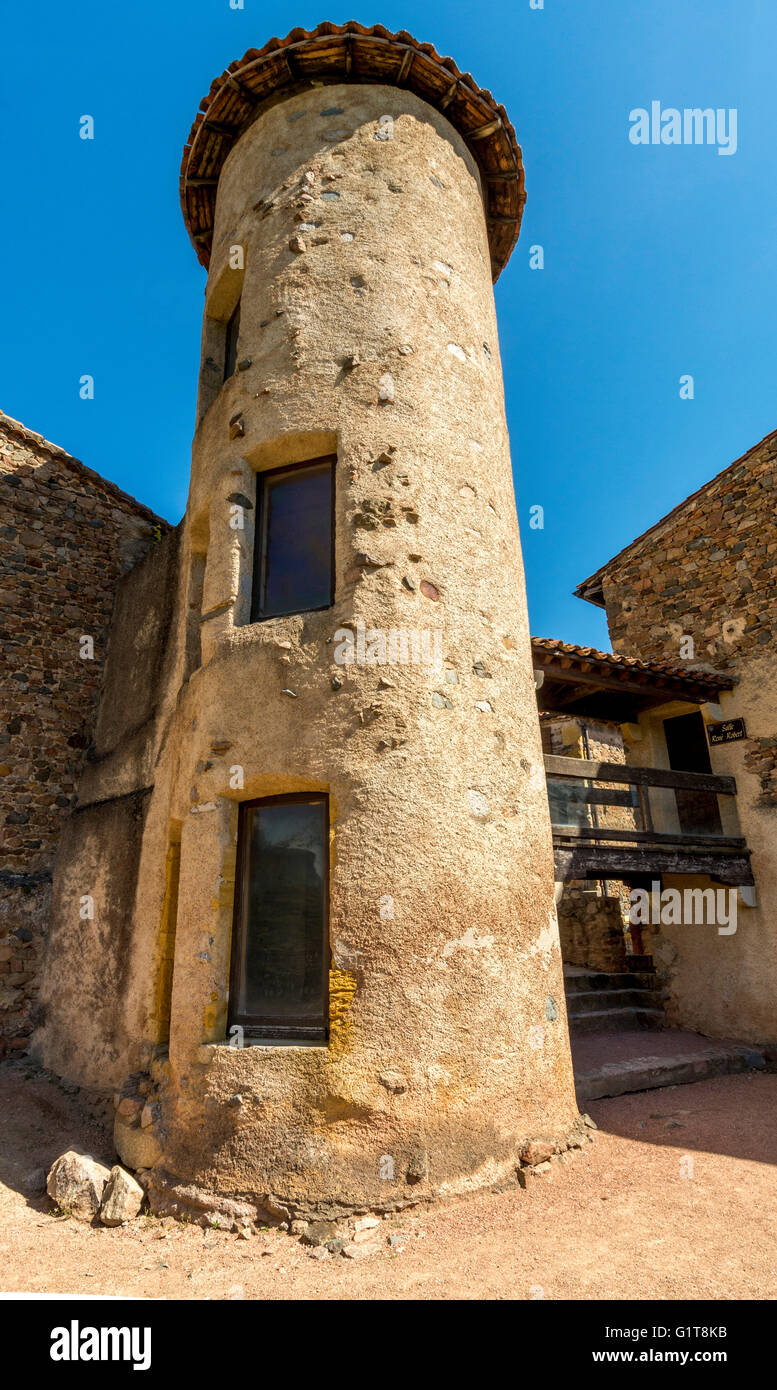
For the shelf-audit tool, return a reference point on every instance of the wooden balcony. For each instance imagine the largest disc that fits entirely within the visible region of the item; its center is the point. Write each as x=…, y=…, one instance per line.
x=614, y=821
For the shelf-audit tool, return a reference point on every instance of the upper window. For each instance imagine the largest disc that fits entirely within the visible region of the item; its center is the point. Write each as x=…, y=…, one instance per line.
x=293, y=554
x=280, y=945
x=230, y=342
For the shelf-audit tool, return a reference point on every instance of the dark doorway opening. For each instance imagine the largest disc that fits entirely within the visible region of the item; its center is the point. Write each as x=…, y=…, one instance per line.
x=686, y=742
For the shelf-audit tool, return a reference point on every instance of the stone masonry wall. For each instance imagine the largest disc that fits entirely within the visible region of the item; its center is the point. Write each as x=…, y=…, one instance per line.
x=700, y=586
x=66, y=537
x=591, y=930
x=706, y=572
x=761, y=759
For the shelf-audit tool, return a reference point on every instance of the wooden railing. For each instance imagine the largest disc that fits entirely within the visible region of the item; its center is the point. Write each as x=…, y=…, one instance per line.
x=609, y=785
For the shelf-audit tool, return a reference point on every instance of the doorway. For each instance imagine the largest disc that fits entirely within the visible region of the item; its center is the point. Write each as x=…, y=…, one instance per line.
x=686, y=743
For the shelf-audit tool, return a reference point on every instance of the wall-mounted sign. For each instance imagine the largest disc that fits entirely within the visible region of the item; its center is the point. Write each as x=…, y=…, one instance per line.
x=730, y=731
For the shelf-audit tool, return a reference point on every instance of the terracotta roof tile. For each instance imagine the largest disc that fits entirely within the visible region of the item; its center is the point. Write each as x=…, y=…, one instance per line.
x=334, y=53
x=715, y=679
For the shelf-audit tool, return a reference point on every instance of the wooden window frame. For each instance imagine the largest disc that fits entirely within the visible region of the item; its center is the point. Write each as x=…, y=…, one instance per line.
x=260, y=560
x=252, y=1025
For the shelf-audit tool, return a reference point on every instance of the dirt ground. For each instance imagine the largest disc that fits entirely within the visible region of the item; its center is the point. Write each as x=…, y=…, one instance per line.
x=675, y=1198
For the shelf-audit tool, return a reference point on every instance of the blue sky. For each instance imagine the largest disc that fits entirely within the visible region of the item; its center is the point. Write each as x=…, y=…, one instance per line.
x=660, y=261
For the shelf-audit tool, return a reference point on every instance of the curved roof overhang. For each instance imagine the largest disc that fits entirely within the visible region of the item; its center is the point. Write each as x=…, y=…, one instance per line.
x=349, y=52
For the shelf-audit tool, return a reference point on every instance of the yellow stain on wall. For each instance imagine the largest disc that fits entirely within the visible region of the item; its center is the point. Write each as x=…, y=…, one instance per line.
x=226, y=897
x=214, y=1019
x=342, y=987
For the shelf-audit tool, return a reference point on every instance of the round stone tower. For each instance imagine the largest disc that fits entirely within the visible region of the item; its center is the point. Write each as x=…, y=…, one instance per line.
x=356, y=649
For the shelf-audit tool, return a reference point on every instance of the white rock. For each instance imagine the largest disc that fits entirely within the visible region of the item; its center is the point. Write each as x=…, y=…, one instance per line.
x=477, y=804
x=76, y=1182
x=366, y=1223
x=122, y=1198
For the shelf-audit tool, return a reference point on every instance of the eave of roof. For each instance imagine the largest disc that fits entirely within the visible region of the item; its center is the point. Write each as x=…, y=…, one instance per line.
x=590, y=589
x=9, y=425
x=334, y=53
x=645, y=672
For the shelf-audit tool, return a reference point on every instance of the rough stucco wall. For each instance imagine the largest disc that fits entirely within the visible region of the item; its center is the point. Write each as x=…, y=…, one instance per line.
x=87, y=959
x=449, y=1044
x=66, y=536
x=708, y=573
x=719, y=984
x=97, y=1001
x=137, y=647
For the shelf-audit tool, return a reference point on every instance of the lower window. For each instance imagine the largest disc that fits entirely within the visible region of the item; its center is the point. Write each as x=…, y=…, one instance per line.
x=279, y=988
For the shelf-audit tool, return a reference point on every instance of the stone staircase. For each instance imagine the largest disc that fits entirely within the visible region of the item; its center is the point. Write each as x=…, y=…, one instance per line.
x=599, y=1003
x=620, y=1044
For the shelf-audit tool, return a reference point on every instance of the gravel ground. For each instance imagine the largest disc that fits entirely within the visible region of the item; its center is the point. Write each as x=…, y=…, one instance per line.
x=675, y=1198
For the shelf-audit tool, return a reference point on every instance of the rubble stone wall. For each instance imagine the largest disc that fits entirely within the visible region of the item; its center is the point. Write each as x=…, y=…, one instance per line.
x=66, y=537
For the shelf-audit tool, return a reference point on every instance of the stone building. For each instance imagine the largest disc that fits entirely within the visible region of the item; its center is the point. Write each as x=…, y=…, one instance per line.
x=66, y=538
x=322, y=965
x=303, y=922
x=698, y=587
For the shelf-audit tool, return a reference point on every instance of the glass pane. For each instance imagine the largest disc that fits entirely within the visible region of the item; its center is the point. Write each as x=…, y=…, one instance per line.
x=568, y=799
x=295, y=571
x=282, y=947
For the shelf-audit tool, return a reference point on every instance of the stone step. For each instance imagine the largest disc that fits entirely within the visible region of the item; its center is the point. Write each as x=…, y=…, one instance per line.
x=590, y=980
x=615, y=1020
x=668, y=1058
x=640, y=963
x=591, y=1001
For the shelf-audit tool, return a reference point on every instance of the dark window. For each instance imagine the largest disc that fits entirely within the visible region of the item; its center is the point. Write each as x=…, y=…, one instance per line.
x=230, y=343
x=280, y=954
x=293, y=554
x=686, y=743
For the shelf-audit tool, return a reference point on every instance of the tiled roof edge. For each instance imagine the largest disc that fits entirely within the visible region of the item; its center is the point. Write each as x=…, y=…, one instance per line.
x=11, y=426
x=594, y=580
x=718, y=679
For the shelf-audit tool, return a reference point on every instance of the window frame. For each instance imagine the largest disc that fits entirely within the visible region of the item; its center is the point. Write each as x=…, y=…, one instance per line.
x=231, y=337
x=261, y=556
x=291, y=1035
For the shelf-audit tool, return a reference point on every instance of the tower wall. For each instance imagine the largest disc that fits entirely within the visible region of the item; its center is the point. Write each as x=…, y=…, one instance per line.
x=367, y=329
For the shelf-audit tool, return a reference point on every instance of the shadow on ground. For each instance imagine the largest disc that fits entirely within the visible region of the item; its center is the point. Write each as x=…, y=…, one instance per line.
x=41, y=1119
x=733, y=1115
